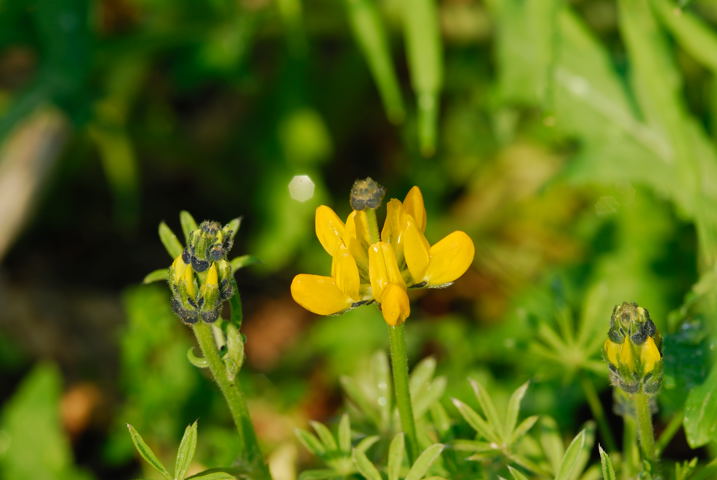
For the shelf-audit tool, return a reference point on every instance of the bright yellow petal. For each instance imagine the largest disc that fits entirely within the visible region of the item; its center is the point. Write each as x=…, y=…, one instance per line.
x=188, y=280
x=319, y=294
x=382, y=268
x=391, y=226
x=413, y=204
x=626, y=358
x=395, y=306
x=416, y=251
x=356, y=237
x=649, y=355
x=346, y=274
x=450, y=258
x=611, y=350
x=330, y=229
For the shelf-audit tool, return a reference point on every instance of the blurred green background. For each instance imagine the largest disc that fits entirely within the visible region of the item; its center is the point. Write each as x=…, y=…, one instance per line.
x=574, y=142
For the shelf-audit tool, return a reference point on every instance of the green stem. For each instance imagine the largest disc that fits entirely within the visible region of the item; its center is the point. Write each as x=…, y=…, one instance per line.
x=234, y=397
x=372, y=225
x=598, y=413
x=643, y=418
x=399, y=365
x=672, y=428
x=629, y=447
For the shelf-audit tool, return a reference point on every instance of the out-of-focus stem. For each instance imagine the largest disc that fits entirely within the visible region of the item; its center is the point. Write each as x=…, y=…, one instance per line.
x=399, y=366
x=598, y=413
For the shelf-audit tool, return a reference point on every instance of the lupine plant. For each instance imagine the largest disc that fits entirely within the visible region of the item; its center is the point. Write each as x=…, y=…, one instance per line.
x=401, y=426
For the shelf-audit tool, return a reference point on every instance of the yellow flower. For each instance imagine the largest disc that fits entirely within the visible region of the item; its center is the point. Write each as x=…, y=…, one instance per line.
x=366, y=267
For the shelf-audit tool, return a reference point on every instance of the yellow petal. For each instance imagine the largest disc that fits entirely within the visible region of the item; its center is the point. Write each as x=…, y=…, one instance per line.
x=188, y=280
x=346, y=274
x=391, y=230
x=416, y=251
x=176, y=271
x=356, y=237
x=212, y=278
x=330, y=229
x=649, y=355
x=413, y=204
x=626, y=357
x=450, y=258
x=382, y=268
x=319, y=294
x=611, y=350
x=395, y=306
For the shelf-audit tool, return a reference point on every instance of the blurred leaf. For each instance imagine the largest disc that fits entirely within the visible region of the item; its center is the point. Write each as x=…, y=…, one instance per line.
x=570, y=465
x=36, y=447
x=214, y=474
x=146, y=452
x=188, y=224
x=424, y=462
x=370, y=34
x=344, y=434
x=310, y=441
x=186, y=450
x=161, y=274
x=238, y=263
x=516, y=474
x=691, y=32
x=608, y=471
x=701, y=413
x=319, y=475
x=170, y=241
x=364, y=466
x=395, y=456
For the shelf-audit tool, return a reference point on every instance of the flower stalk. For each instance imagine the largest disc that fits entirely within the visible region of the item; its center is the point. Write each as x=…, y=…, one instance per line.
x=643, y=418
x=399, y=367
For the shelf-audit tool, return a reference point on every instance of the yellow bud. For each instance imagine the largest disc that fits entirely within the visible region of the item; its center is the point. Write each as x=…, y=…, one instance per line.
x=649, y=355
x=611, y=350
x=395, y=306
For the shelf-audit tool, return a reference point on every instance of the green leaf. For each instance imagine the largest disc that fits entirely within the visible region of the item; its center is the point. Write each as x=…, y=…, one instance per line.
x=367, y=443
x=421, y=375
x=364, y=466
x=370, y=34
x=147, y=452
x=238, y=263
x=424, y=462
x=216, y=474
x=551, y=442
x=523, y=428
x=188, y=224
x=345, y=433
x=476, y=421
x=516, y=474
x=701, y=412
x=170, y=241
x=325, y=435
x=161, y=274
x=185, y=452
x=196, y=360
x=488, y=407
x=395, y=456
x=511, y=416
x=608, y=471
x=569, y=467
x=319, y=475
x=310, y=441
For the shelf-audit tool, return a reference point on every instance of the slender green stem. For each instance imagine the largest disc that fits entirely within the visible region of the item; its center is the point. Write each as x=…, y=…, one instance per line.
x=598, y=412
x=672, y=428
x=399, y=364
x=629, y=447
x=643, y=418
x=234, y=397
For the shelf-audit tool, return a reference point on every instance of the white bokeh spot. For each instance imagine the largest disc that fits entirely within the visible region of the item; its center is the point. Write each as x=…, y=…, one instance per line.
x=301, y=188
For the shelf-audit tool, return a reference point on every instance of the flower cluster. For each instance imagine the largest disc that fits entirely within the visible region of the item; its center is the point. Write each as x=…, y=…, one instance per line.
x=370, y=267
x=632, y=350
x=200, y=278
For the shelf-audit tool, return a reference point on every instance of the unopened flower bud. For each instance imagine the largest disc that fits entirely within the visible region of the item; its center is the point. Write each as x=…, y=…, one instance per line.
x=366, y=193
x=632, y=350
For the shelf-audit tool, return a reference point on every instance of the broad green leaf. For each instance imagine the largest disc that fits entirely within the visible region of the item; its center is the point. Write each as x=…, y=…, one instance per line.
x=395, y=456
x=185, y=452
x=570, y=464
x=147, y=452
x=325, y=435
x=345, y=433
x=511, y=416
x=701, y=412
x=424, y=462
x=608, y=471
x=310, y=441
x=370, y=34
x=476, y=421
x=161, y=274
x=364, y=466
x=188, y=224
x=170, y=241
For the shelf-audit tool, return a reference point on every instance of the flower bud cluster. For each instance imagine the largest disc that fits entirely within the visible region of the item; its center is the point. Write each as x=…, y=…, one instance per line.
x=200, y=278
x=632, y=350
